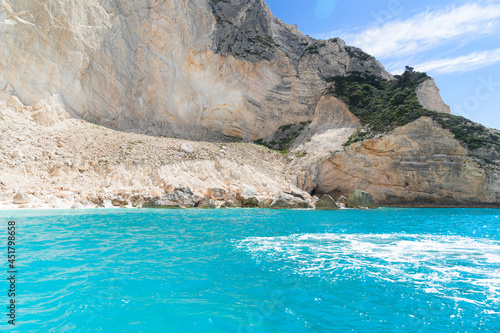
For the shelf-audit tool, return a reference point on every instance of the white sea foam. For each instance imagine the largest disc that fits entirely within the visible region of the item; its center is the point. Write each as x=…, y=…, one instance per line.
x=435, y=264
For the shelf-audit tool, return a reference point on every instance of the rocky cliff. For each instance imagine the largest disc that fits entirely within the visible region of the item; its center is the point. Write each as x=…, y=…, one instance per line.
x=218, y=71
x=419, y=164
x=170, y=67
x=428, y=95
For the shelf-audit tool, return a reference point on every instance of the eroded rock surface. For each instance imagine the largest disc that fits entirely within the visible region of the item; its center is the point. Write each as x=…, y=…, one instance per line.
x=175, y=199
x=248, y=196
x=361, y=199
x=203, y=70
x=326, y=203
x=288, y=201
x=74, y=161
x=419, y=164
x=187, y=69
x=428, y=95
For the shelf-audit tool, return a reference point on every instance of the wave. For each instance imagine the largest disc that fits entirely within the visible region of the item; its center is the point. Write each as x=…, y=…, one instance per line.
x=460, y=268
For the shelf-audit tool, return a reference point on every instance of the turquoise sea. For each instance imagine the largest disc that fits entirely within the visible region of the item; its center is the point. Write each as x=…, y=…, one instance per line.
x=387, y=270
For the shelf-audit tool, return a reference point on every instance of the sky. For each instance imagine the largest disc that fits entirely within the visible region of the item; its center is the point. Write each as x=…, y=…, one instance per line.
x=456, y=42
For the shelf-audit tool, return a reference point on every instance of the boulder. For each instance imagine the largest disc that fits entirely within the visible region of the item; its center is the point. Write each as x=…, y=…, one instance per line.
x=216, y=193
x=326, y=203
x=176, y=199
x=119, y=202
x=138, y=200
x=234, y=199
x=187, y=148
x=94, y=199
x=248, y=196
x=21, y=198
x=342, y=200
x=298, y=195
x=230, y=196
x=288, y=201
x=169, y=188
x=198, y=198
x=266, y=203
x=206, y=204
x=228, y=204
x=361, y=199
x=184, y=189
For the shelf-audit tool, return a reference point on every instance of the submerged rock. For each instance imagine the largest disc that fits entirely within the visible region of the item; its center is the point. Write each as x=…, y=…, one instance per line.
x=288, y=201
x=361, y=199
x=326, y=203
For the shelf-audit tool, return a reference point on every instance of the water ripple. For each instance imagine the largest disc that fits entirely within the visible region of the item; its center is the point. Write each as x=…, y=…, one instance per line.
x=460, y=268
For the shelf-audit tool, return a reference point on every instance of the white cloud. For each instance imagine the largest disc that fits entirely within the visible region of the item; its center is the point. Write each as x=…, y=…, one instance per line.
x=464, y=63
x=427, y=30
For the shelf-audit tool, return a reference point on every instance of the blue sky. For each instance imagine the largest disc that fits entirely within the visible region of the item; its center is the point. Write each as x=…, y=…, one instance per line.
x=456, y=42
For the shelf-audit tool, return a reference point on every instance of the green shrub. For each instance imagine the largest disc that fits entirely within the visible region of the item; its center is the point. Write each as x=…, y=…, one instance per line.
x=300, y=154
x=383, y=105
x=312, y=49
x=287, y=134
x=284, y=128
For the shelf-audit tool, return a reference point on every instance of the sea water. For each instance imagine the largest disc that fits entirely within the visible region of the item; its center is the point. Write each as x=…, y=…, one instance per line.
x=386, y=270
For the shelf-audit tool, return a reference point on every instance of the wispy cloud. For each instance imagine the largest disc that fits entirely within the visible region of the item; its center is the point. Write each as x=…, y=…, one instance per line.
x=428, y=30
x=464, y=63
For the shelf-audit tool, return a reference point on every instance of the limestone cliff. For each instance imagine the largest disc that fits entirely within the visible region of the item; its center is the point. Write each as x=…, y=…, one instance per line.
x=206, y=69
x=419, y=164
x=428, y=95
x=170, y=67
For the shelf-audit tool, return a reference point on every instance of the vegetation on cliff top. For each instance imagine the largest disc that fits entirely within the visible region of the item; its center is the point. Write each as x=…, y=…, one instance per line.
x=383, y=105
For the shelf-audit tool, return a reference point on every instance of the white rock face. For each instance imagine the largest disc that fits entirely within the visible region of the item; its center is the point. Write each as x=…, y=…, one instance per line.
x=332, y=125
x=428, y=95
x=153, y=67
x=189, y=70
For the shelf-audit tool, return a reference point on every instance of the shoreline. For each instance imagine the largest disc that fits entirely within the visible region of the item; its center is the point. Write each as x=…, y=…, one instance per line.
x=54, y=208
